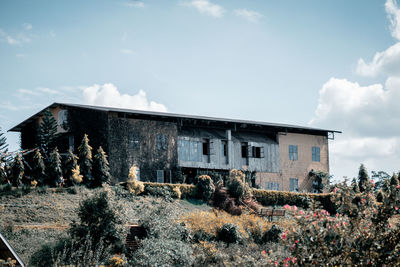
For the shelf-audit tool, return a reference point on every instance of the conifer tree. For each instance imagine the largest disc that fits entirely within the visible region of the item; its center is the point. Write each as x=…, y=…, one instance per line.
x=363, y=178
x=54, y=172
x=394, y=180
x=354, y=186
x=379, y=196
x=38, y=168
x=17, y=170
x=85, y=161
x=101, y=169
x=70, y=165
x=3, y=147
x=47, y=134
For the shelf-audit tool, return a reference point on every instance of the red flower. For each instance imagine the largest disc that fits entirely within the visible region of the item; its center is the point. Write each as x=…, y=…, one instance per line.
x=264, y=252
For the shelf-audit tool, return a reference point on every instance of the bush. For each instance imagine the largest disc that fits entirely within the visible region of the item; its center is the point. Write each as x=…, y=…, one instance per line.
x=165, y=190
x=272, y=235
x=228, y=233
x=237, y=187
x=222, y=201
x=204, y=187
x=134, y=186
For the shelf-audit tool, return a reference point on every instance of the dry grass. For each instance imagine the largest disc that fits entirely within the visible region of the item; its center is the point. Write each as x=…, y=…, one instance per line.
x=211, y=221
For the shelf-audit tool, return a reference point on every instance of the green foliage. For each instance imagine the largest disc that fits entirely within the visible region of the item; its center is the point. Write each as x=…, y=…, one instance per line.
x=167, y=242
x=237, y=187
x=169, y=190
x=3, y=147
x=205, y=187
x=97, y=220
x=272, y=234
x=17, y=170
x=70, y=164
x=354, y=186
x=134, y=186
x=394, y=180
x=54, y=171
x=47, y=134
x=85, y=161
x=380, y=177
x=363, y=178
x=38, y=168
x=320, y=180
x=360, y=234
x=101, y=170
x=229, y=233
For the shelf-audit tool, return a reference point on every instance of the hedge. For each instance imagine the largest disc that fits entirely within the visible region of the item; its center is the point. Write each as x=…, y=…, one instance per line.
x=187, y=190
x=304, y=200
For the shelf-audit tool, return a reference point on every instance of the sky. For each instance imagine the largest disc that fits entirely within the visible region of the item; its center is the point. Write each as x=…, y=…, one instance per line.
x=332, y=64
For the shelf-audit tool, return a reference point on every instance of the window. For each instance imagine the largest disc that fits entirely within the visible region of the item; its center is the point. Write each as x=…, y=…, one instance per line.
x=190, y=150
x=161, y=142
x=206, y=147
x=224, y=148
x=272, y=186
x=62, y=117
x=294, y=184
x=160, y=176
x=244, y=150
x=258, y=152
x=315, y=153
x=293, y=152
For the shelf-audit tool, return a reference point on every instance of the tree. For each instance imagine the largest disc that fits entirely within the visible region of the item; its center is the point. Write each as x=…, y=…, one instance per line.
x=354, y=186
x=320, y=180
x=70, y=165
x=101, y=169
x=363, y=178
x=47, y=134
x=85, y=161
x=17, y=170
x=3, y=147
x=38, y=167
x=380, y=177
x=54, y=172
x=394, y=180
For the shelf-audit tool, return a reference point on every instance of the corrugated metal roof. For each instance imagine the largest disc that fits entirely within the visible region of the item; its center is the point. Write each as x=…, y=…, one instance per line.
x=18, y=127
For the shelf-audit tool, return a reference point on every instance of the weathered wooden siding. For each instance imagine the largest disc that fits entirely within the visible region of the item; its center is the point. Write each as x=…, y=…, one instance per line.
x=269, y=163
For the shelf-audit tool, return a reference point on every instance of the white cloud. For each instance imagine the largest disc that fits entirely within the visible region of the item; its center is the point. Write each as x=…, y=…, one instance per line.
x=27, y=26
x=206, y=7
x=20, y=55
x=385, y=62
x=134, y=4
x=47, y=90
x=17, y=39
x=248, y=15
x=394, y=17
x=126, y=51
x=108, y=95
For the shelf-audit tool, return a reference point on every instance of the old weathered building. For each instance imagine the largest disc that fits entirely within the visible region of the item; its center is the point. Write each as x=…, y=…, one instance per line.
x=165, y=145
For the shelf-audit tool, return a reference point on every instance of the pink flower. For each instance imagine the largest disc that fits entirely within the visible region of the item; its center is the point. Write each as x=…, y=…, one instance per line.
x=335, y=190
x=344, y=223
x=301, y=212
x=294, y=259
x=296, y=241
x=398, y=187
x=286, y=206
x=276, y=263
x=390, y=225
x=294, y=207
x=363, y=200
x=396, y=208
x=284, y=236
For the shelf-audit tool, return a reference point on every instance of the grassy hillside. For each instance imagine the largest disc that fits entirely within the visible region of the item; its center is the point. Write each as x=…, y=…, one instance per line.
x=30, y=219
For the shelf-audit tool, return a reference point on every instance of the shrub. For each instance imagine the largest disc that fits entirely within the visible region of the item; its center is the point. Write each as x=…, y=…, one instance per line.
x=170, y=190
x=228, y=233
x=101, y=169
x=134, y=186
x=222, y=201
x=272, y=235
x=205, y=187
x=237, y=187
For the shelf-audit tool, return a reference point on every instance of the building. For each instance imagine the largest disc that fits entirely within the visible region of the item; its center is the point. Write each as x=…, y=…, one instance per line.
x=165, y=145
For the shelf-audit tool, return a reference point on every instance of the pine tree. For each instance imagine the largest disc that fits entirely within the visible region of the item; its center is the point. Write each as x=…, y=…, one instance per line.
x=85, y=161
x=17, y=170
x=394, y=180
x=54, y=172
x=3, y=147
x=70, y=165
x=354, y=186
x=38, y=168
x=363, y=178
x=101, y=170
x=47, y=134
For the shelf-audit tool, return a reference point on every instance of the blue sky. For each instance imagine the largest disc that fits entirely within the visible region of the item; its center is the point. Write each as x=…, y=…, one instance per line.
x=258, y=60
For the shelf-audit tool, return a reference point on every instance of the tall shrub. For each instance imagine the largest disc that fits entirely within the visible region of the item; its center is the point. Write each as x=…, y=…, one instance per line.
x=101, y=169
x=70, y=165
x=205, y=187
x=85, y=161
x=237, y=186
x=54, y=171
x=134, y=186
x=17, y=170
x=38, y=168
x=363, y=178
